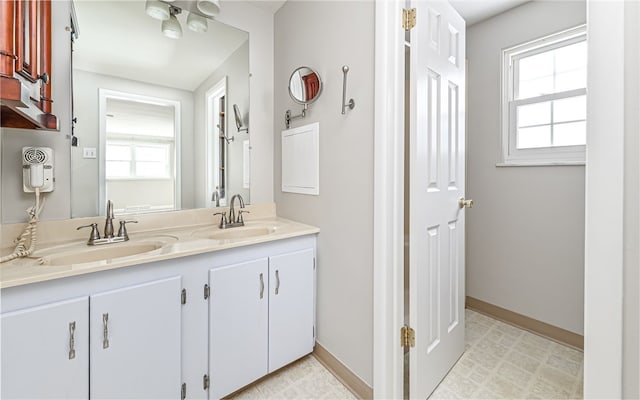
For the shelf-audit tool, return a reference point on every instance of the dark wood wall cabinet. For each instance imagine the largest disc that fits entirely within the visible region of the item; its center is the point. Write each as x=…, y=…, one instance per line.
x=25, y=65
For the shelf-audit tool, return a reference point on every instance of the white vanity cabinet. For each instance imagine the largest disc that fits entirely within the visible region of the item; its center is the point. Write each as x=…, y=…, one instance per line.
x=194, y=327
x=238, y=323
x=261, y=318
x=135, y=341
x=291, y=307
x=45, y=351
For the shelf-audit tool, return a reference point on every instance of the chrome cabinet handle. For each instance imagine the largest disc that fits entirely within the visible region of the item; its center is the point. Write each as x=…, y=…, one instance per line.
x=105, y=330
x=261, y=285
x=277, y=281
x=72, y=334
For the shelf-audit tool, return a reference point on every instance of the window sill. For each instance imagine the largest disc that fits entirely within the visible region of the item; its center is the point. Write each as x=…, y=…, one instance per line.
x=540, y=163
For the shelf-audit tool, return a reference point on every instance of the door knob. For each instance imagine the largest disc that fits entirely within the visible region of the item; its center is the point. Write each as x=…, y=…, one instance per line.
x=462, y=203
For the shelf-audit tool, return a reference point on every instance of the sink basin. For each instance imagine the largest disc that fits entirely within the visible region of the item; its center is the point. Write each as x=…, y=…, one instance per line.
x=105, y=254
x=236, y=233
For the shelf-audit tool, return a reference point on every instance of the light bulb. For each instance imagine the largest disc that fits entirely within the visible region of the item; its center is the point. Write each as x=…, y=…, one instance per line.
x=197, y=23
x=171, y=28
x=157, y=9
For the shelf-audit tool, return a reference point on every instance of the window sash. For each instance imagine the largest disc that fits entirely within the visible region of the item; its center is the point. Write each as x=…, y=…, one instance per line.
x=510, y=80
x=133, y=173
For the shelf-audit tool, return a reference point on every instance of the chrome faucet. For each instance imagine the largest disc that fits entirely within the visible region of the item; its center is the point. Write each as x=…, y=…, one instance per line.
x=215, y=196
x=94, y=236
x=232, y=211
x=233, y=220
x=108, y=225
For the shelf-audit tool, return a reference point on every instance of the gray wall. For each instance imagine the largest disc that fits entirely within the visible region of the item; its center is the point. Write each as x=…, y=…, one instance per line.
x=525, y=237
x=236, y=69
x=14, y=201
x=631, y=333
x=344, y=208
x=84, y=172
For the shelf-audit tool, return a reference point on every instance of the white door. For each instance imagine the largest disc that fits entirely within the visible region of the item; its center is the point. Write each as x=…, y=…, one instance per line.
x=238, y=325
x=291, y=303
x=437, y=176
x=45, y=351
x=136, y=342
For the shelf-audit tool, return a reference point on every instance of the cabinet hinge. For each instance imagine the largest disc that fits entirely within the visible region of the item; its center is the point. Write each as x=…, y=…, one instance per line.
x=207, y=291
x=314, y=331
x=183, y=296
x=407, y=336
x=205, y=382
x=314, y=263
x=408, y=19
x=183, y=391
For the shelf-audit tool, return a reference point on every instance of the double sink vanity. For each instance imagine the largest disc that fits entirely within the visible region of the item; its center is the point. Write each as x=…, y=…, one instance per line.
x=183, y=309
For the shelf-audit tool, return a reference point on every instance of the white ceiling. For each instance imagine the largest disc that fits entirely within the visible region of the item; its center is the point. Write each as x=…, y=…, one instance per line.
x=474, y=11
x=117, y=38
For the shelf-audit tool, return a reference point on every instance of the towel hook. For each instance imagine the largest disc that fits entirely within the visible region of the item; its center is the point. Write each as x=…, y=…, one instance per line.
x=351, y=104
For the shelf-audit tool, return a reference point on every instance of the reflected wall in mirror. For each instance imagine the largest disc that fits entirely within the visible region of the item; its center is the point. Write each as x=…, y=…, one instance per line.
x=146, y=104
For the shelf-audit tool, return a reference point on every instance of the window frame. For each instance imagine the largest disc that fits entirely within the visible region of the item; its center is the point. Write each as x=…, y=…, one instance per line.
x=511, y=155
x=103, y=95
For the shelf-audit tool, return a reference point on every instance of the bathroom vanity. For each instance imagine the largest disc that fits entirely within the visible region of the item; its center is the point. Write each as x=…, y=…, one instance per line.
x=198, y=316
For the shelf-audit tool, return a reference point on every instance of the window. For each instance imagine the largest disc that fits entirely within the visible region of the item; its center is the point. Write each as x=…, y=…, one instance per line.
x=544, y=107
x=140, y=137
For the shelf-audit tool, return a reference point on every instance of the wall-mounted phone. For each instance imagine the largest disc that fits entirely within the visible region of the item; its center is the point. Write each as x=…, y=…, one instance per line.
x=37, y=169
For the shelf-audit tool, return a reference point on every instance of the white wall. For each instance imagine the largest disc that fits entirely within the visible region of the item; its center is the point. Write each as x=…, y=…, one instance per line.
x=236, y=69
x=259, y=23
x=14, y=201
x=344, y=209
x=85, y=184
x=525, y=237
x=631, y=274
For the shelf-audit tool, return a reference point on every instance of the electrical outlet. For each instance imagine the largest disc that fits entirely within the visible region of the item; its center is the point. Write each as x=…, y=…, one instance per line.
x=88, y=152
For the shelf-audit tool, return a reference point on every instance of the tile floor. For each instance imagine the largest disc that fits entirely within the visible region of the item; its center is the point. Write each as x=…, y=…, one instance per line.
x=504, y=362
x=500, y=362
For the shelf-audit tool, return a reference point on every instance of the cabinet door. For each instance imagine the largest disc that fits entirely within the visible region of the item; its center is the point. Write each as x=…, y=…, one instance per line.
x=45, y=351
x=238, y=323
x=291, y=307
x=135, y=341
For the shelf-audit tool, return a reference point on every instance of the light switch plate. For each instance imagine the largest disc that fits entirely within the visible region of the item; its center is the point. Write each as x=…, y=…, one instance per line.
x=88, y=152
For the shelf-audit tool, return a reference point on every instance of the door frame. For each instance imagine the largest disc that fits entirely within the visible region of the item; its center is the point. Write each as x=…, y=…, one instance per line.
x=388, y=271
x=388, y=205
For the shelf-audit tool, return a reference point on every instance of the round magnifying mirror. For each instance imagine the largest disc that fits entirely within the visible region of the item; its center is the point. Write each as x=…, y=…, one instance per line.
x=305, y=85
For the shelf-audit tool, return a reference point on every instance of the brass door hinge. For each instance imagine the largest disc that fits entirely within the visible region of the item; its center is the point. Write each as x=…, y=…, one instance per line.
x=407, y=336
x=408, y=18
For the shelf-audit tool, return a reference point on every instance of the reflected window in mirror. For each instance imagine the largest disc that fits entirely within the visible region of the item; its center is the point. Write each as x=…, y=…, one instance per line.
x=140, y=144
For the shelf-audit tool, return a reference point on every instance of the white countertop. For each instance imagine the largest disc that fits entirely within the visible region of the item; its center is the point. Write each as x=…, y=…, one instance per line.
x=162, y=244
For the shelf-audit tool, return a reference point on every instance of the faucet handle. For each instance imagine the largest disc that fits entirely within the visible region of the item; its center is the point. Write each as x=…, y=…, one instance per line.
x=240, y=219
x=94, y=235
x=223, y=220
x=122, y=232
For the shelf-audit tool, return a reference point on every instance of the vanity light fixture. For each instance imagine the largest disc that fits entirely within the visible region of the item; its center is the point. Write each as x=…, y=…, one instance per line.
x=157, y=10
x=197, y=23
x=165, y=11
x=171, y=27
x=209, y=7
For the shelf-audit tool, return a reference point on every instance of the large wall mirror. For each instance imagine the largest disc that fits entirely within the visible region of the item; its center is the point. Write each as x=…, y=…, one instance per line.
x=145, y=104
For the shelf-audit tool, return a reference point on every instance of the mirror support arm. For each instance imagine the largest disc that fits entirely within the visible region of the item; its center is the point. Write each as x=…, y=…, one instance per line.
x=288, y=117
